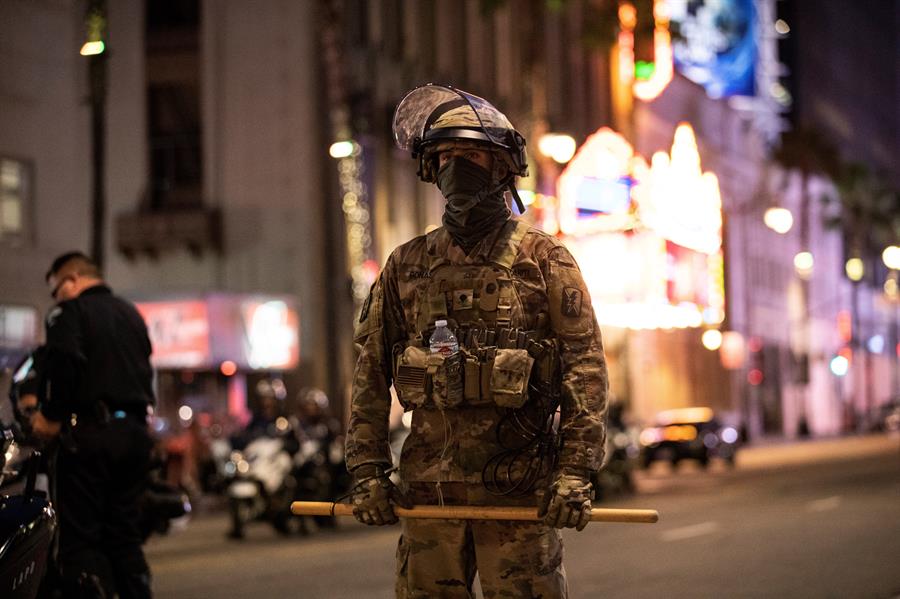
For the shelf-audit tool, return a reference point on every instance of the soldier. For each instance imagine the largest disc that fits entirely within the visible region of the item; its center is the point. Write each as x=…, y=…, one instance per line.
x=485, y=429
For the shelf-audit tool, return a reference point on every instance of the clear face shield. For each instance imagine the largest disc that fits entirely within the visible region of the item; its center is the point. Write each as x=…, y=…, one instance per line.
x=432, y=113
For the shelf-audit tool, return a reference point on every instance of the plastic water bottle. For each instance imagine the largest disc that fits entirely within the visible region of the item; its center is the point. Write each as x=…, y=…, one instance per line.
x=442, y=340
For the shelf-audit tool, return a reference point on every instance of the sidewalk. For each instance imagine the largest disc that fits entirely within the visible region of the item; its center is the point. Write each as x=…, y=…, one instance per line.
x=791, y=452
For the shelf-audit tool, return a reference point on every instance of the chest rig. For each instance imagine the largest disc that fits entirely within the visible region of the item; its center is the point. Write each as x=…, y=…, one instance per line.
x=502, y=347
x=478, y=296
x=506, y=363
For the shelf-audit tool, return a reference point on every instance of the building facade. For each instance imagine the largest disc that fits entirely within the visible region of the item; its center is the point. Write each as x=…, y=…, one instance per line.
x=220, y=190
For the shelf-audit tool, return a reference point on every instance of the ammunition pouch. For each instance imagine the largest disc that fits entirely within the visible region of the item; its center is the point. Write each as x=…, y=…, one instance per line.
x=475, y=376
x=509, y=377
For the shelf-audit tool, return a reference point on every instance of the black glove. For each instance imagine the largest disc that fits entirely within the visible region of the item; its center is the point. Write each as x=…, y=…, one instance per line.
x=374, y=496
x=567, y=503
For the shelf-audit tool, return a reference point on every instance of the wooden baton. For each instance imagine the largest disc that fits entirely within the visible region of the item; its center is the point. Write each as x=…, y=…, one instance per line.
x=471, y=512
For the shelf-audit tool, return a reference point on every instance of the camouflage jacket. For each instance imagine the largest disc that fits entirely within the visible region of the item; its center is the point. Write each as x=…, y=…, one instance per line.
x=518, y=278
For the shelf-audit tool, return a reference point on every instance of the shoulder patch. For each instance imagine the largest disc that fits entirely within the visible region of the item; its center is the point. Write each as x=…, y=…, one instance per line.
x=53, y=315
x=364, y=311
x=369, y=319
x=571, y=302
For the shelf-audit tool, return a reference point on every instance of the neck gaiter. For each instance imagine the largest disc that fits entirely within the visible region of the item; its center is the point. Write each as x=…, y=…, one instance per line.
x=473, y=210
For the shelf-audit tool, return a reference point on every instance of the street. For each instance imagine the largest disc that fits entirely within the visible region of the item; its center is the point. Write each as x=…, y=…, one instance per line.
x=809, y=519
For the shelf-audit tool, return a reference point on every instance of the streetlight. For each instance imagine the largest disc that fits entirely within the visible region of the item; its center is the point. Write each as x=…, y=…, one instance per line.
x=891, y=257
x=94, y=49
x=779, y=220
x=855, y=269
x=558, y=146
x=342, y=149
x=803, y=264
x=712, y=339
x=839, y=365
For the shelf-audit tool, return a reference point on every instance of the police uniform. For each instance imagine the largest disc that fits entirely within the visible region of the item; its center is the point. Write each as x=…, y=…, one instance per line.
x=527, y=331
x=99, y=385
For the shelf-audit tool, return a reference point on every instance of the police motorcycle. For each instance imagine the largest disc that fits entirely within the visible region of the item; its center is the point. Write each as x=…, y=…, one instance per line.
x=261, y=483
x=27, y=518
x=319, y=467
x=27, y=522
x=162, y=502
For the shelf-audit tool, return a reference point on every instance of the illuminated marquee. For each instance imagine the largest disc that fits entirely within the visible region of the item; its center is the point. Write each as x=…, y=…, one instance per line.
x=595, y=189
x=648, y=238
x=678, y=200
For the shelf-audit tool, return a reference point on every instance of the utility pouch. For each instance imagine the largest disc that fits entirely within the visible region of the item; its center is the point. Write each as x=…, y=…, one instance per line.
x=546, y=362
x=486, y=364
x=509, y=377
x=446, y=379
x=410, y=380
x=471, y=378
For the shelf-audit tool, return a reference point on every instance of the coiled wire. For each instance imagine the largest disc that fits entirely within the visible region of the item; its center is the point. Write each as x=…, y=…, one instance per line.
x=516, y=469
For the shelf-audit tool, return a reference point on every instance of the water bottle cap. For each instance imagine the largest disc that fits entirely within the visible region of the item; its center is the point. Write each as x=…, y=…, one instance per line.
x=440, y=323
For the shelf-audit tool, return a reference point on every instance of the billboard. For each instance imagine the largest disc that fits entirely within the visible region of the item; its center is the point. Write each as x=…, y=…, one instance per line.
x=256, y=332
x=715, y=44
x=179, y=333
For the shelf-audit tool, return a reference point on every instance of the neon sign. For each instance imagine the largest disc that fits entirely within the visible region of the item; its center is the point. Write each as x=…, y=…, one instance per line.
x=647, y=80
x=271, y=334
x=179, y=333
x=653, y=258
x=243, y=331
x=678, y=200
x=596, y=188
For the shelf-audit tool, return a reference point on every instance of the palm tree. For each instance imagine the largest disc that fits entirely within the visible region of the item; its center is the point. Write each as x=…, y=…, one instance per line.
x=868, y=214
x=807, y=151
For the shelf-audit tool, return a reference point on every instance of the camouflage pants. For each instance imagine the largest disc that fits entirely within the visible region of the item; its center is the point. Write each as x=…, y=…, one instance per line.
x=439, y=558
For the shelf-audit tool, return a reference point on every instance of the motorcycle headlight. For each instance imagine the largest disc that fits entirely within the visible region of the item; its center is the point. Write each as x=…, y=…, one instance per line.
x=649, y=436
x=728, y=434
x=621, y=440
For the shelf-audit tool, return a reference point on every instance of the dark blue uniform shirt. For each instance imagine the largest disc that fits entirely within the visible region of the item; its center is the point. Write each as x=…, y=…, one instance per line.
x=98, y=350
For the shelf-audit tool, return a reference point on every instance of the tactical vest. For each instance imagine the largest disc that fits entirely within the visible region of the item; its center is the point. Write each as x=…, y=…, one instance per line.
x=500, y=357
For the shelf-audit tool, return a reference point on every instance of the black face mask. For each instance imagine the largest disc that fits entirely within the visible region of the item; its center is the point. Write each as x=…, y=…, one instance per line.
x=473, y=209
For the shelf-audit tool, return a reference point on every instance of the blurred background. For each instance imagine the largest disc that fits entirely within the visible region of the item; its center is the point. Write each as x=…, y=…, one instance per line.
x=725, y=172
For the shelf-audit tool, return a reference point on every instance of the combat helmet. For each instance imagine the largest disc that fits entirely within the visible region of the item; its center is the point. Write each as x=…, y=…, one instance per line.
x=431, y=115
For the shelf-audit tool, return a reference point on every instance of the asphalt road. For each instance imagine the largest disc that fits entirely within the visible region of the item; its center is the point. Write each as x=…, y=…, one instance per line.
x=816, y=519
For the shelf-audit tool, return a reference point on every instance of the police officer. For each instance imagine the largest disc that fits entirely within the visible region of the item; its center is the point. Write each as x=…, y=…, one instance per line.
x=96, y=393
x=517, y=415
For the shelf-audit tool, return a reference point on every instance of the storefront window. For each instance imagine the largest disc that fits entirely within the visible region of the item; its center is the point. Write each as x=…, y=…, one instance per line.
x=15, y=200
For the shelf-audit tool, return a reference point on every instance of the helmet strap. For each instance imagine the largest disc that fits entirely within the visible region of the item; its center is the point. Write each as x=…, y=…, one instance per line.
x=515, y=194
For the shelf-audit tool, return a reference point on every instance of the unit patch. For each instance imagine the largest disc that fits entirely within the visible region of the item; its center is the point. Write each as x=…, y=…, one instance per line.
x=571, y=302
x=364, y=313
x=53, y=315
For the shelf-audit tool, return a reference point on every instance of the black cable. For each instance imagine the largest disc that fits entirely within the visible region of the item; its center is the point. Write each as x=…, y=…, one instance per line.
x=536, y=455
x=360, y=483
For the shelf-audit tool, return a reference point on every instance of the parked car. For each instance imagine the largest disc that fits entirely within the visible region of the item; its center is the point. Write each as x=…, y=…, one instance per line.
x=688, y=433
x=886, y=417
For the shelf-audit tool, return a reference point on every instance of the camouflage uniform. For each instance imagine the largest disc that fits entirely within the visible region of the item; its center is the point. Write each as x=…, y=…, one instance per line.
x=517, y=278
